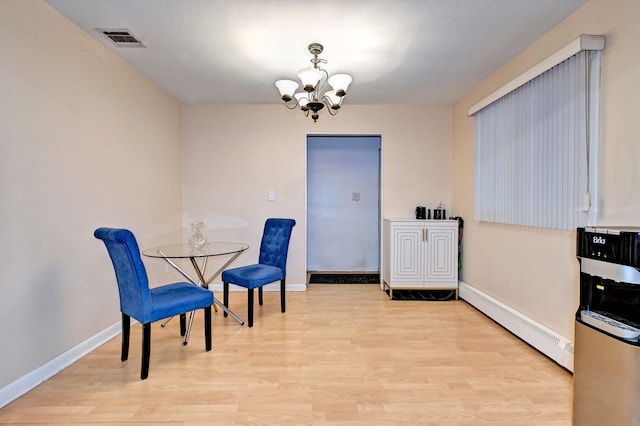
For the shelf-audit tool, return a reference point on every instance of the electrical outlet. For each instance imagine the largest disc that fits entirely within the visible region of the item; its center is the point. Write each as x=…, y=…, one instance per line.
x=167, y=268
x=272, y=195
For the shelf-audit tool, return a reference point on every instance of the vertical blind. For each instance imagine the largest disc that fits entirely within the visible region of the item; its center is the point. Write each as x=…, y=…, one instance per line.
x=533, y=153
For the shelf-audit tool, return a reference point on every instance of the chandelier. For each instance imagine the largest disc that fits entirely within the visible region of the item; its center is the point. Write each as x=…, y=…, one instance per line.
x=314, y=84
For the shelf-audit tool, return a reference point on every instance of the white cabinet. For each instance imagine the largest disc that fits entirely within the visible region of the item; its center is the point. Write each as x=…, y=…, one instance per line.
x=420, y=254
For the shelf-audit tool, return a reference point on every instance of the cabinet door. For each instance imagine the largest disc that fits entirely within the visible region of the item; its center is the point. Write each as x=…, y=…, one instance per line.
x=408, y=257
x=441, y=266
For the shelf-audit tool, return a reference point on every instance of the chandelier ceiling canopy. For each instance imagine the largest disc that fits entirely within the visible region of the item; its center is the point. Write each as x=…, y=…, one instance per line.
x=315, y=92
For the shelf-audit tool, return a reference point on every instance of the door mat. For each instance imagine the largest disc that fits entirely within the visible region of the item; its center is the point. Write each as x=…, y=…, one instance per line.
x=344, y=279
x=427, y=295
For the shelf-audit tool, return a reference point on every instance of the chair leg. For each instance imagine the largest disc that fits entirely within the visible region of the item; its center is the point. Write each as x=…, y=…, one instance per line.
x=126, y=331
x=260, y=295
x=183, y=324
x=207, y=328
x=225, y=296
x=146, y=350
x=250, y=305
x=282, y=296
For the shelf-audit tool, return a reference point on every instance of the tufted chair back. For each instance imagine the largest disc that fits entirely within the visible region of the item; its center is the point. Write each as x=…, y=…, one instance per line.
x=275, y=242
x=131, y=275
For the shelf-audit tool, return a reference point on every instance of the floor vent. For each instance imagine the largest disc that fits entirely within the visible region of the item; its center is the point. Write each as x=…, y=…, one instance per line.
x=121, y=37
x=546, y=341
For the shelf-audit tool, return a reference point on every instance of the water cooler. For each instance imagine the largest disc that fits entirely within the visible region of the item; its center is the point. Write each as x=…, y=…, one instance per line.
x=606, y=373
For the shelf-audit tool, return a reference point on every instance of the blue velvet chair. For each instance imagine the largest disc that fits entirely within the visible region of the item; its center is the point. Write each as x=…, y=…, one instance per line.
x=271, y=266
x=147, y=305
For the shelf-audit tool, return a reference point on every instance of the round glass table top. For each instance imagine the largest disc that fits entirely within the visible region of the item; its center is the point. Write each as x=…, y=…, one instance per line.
x=185, y=251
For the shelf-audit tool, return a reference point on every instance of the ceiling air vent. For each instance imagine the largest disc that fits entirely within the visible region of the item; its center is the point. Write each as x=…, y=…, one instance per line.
x=121, y=37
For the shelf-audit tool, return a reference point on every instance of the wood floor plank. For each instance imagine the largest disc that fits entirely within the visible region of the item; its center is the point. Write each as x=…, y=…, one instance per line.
x=341, y=354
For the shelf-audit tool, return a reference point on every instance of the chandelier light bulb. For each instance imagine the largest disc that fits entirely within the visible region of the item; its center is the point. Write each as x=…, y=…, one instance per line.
x=340, y=83
x=334, y=99
x=310, y=78
x=287, y=88
x=303, y=99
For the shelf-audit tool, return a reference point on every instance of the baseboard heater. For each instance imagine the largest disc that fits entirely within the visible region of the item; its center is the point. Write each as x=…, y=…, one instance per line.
x=546, y=341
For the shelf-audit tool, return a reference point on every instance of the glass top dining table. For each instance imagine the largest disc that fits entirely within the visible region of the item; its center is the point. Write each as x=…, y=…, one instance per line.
x=184, y=251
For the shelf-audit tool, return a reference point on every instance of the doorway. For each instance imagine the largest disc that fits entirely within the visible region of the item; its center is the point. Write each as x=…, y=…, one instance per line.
x=343, y=203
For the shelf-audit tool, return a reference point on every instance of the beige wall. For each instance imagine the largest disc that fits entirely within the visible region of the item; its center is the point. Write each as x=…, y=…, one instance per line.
x=85, y=141
x=234, y=155
x=535, y=271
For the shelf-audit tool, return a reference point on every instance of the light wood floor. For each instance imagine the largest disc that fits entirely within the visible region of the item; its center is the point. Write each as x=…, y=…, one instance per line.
x=342, y=354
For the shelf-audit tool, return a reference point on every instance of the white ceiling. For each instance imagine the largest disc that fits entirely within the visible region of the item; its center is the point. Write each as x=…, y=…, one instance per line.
x=398, y=51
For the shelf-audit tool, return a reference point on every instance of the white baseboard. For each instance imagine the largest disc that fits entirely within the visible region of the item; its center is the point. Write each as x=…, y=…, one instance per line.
x=543, y=339
x=30, y=380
